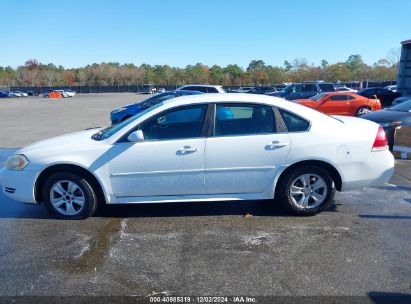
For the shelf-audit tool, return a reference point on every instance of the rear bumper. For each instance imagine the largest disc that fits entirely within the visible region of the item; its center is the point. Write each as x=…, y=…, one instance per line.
x=19, y=185
x=376, y=171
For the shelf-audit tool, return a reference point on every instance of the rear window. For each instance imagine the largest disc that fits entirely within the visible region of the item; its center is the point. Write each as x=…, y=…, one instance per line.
x=293, y=122
x=326, y=87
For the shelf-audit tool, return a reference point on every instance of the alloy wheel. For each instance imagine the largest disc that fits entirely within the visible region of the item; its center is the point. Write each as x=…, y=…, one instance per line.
x=308, y=191
x=67, y=197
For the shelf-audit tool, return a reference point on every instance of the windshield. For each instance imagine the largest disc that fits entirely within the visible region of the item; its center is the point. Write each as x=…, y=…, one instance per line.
x=402, y=107
x=317, y=97
x=110, y=130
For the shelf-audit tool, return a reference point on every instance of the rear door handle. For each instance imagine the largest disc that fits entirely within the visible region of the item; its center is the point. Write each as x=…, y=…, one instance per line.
x=276, y=144
x=186, y=150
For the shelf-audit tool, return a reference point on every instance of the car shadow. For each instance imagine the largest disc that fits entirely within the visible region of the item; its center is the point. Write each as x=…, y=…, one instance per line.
x=267, y=208
x=219, y=208
x=187, y=209
x=385, y=216
x=379, y=297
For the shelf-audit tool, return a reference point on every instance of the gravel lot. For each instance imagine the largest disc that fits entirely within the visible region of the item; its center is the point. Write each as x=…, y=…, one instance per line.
x=360, y=246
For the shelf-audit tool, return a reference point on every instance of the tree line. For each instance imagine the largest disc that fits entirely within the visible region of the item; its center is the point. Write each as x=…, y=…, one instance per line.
x=34, y=73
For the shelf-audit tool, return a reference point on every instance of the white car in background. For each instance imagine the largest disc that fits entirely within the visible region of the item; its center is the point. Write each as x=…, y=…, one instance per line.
x=16, y=94
x=22, y=94
x=66, y=93
x=344, y=89
x=207, y=147
x=204, y=88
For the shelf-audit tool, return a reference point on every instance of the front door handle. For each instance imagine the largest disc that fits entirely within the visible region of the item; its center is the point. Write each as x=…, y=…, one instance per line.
x=275, y=145
x=186, y=150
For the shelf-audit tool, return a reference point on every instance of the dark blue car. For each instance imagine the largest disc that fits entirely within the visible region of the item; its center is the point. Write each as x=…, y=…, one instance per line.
x=5, y=95
x=123, y=113
x=303, y=90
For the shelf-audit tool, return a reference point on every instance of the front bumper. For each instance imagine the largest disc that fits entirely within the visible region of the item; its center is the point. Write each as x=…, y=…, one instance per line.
x=19, y=185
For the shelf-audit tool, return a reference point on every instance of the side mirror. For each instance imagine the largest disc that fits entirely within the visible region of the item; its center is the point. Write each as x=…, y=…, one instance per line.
x=136, y=136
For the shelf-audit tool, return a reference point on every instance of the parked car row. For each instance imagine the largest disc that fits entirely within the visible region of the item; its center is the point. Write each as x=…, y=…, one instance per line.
x=254, y=90
x=13, y=94
x=338, y=102
x=64, y=93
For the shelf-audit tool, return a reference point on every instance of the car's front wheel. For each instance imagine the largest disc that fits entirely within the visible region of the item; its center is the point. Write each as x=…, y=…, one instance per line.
x=69, y=196
x=307, y=190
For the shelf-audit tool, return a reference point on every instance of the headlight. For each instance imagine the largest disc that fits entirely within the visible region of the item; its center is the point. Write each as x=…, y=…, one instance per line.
x=391, y=124
x=17, y=162
x=118, y=110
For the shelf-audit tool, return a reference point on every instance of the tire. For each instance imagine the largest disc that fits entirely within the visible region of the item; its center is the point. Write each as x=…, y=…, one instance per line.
x=311, y=175
x=57, y=196
x=361, y=111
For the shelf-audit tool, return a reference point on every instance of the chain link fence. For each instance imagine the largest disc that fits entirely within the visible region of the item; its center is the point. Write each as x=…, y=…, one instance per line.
x=143, y=88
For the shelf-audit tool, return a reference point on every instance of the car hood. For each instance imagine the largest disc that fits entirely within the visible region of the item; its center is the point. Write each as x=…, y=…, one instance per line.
x=387, y=116
x=64, y=145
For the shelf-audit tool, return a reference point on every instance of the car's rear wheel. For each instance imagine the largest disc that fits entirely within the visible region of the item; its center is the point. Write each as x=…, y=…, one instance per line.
x=69, y=196
x=307, y=190
x=363, y=110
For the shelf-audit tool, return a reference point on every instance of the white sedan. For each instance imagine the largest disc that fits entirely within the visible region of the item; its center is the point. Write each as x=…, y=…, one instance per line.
x=65, y=93
x=210, y=147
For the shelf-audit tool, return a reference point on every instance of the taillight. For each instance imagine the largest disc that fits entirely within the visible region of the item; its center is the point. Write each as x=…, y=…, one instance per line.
x=381, y=142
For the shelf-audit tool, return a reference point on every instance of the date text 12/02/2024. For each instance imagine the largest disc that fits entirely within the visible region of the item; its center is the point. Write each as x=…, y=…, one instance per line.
x=206, y=299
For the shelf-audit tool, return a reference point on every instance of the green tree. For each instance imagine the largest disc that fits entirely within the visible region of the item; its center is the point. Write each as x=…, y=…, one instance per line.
x=216, y=74
x=287, y=66
x=355, y=63
x=233, y=73
x=256, y=65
